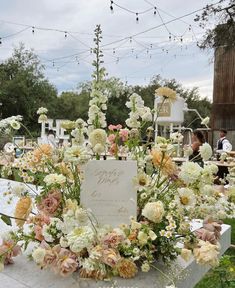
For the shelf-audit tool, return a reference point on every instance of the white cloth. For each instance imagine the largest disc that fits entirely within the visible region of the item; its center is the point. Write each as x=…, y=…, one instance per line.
x=227, y=146
x=50, y=139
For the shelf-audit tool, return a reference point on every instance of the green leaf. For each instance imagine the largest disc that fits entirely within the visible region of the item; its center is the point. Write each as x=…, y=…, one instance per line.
x=6, y=219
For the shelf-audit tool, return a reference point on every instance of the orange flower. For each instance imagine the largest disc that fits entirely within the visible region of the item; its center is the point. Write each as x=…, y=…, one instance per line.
x=164, y=162
x=43, y=150
x=22, y=210
x=126, y=268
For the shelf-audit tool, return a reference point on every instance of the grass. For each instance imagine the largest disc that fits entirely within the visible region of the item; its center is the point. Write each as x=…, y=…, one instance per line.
x=212, y=279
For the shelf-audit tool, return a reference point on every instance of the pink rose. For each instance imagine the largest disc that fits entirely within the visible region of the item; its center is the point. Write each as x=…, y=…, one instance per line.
x=112, y=240
x=50, y=203
x=124, y=133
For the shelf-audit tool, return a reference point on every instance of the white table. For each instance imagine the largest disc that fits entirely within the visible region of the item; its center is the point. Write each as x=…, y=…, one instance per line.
x=25, y=274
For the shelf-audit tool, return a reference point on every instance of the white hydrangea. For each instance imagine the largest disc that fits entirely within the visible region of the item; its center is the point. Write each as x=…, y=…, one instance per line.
x=205, y=151
x=190, y=172
x=80, y=238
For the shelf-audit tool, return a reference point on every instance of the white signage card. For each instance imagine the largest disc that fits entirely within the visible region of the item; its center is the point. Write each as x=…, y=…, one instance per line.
x=108, y=190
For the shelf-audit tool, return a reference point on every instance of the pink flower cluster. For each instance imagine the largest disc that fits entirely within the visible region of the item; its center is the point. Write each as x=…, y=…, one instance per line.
x=8, y=250
x=61, y=260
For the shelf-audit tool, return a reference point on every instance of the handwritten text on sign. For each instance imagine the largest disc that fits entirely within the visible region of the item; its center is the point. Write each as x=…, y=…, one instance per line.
x=109, y=192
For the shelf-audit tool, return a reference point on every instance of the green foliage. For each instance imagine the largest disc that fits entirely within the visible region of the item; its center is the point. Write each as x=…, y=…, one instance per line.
x=24, y=88
x=223, y=12
x=6, y=219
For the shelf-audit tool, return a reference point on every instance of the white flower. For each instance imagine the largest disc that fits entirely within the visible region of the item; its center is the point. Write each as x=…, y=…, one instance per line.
x=80, y=238
x=186, y=254
x=98, y=136
x=142, y=237
x=205, y=121
x=154, y=211
x=38, y=255
x=15, y=124
x=99, y=148
x=76, y=154
x=64, y=242
x=211, y=168
x=42, y=118
x=185, y=198
x=81, y=216
x=152, y=235
x=18, y=189
x=42, y=110
x=176, y=137
x=205, y=151
x=190, y=172
x=145, y=267
x=135, y=225
x=52, y=179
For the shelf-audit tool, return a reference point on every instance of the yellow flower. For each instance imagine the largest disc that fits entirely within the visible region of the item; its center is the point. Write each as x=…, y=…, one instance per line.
x=126, y=268
x=22, y=210
x=166, y=92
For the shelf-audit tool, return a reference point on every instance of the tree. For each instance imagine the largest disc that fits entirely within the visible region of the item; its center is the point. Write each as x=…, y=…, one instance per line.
x=223, y=34
x=23, y=87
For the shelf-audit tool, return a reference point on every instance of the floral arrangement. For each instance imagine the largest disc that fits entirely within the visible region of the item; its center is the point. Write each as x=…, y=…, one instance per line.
x=66, y=237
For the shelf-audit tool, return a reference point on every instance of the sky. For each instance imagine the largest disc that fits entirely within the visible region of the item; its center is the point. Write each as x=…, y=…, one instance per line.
x=133, y=59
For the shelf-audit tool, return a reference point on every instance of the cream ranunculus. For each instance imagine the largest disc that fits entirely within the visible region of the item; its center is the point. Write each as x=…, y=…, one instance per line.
x=205, y=151
x=154, y=211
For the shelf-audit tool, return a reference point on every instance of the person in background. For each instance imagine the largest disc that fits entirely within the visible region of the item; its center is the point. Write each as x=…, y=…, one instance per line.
x=223, y=145
x=50, y=139
x=197, y=141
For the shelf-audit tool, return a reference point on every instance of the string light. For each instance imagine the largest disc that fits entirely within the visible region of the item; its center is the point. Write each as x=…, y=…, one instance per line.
x=33, y=29
x=137, y=17
x=65, y=34
x=111, y=6
x=114, y=51
x=130, y=39
x=155, y=11
x=170, y=37
x=0, y=41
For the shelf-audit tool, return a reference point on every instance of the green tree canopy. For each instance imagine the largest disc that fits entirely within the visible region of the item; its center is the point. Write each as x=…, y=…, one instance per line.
x=23, y=87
